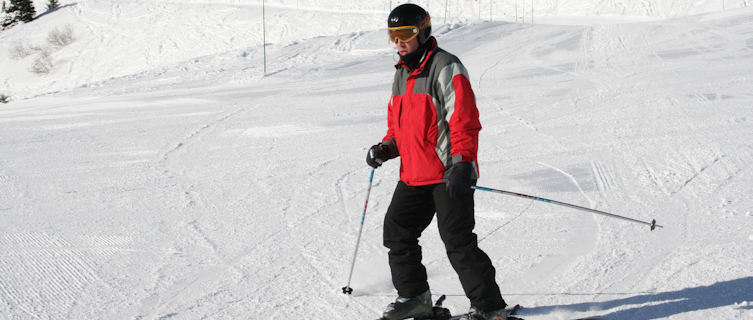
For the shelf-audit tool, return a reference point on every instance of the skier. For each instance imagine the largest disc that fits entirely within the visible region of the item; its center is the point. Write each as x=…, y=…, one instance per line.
x=433, y=126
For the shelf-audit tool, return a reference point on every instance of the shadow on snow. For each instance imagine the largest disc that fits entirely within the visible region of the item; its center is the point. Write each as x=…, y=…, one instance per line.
x=666, y=304
x=53, y=10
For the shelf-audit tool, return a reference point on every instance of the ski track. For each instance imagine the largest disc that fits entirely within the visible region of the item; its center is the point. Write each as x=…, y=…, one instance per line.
x=41, y=270
x=596, y=43
x=573, y=180
x=197, y=133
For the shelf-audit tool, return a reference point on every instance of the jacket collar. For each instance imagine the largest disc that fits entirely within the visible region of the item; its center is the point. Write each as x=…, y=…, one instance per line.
x=427, y=54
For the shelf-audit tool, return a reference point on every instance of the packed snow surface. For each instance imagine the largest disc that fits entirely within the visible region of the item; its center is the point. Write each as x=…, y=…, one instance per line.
x=157, y=172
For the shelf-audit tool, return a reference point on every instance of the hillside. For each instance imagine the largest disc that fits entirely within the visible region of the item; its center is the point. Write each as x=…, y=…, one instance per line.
x=125, y=38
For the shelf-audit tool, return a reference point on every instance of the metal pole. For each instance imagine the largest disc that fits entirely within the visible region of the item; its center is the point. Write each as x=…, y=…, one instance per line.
x=264, y=35
x=532, y=11
x=347, y=289
x=652, y=224
x=446, y=3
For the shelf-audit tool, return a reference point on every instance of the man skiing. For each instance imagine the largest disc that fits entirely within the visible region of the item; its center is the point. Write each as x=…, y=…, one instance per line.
x=433, y=126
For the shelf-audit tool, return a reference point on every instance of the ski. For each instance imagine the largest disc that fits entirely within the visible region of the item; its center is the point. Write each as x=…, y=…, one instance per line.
x=510, y=311
x=513, y=311
x=438, y=312
x=441, y=313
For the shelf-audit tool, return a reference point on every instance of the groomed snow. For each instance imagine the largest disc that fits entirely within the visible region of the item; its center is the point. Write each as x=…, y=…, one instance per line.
x=157, y=173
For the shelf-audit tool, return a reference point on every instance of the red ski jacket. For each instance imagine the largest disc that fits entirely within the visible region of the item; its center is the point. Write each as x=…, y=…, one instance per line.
x=432, y=118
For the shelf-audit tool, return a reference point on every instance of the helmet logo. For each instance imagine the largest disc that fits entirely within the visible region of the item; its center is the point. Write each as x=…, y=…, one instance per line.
x=394, y=19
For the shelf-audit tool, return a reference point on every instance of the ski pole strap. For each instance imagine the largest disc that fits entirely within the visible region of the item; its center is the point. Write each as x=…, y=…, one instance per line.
x=651, y=224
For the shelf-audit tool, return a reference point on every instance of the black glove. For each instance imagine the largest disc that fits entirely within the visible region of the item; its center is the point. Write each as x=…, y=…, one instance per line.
x=460, y=179
x=377, y=154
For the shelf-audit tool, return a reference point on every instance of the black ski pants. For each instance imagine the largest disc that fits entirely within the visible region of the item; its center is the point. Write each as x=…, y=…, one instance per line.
x=410, y=212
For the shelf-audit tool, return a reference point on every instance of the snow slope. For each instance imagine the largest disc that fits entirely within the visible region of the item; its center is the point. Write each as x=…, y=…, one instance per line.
x=121, y=38
x=184, y=184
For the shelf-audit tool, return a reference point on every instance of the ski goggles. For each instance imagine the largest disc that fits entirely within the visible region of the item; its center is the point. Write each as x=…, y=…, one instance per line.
x=405, y=33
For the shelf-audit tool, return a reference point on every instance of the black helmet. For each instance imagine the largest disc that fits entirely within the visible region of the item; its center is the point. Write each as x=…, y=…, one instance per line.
x=410, y=14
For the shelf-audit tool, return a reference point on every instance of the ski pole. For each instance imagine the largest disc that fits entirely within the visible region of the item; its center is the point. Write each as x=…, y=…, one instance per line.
x=347, y=289
x=651, y=224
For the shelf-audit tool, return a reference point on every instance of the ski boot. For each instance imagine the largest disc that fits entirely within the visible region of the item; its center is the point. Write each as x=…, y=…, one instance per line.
x=418, y=307
x=476, y=314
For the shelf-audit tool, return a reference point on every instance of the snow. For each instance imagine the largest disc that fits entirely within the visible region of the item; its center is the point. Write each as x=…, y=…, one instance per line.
x=157, y=173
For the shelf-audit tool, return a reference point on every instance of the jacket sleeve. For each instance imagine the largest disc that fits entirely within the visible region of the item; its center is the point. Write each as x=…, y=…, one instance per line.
x=389, y=138
x=461, y=113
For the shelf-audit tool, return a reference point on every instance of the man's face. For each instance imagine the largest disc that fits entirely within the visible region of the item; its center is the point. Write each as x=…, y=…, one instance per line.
x=404, y=48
